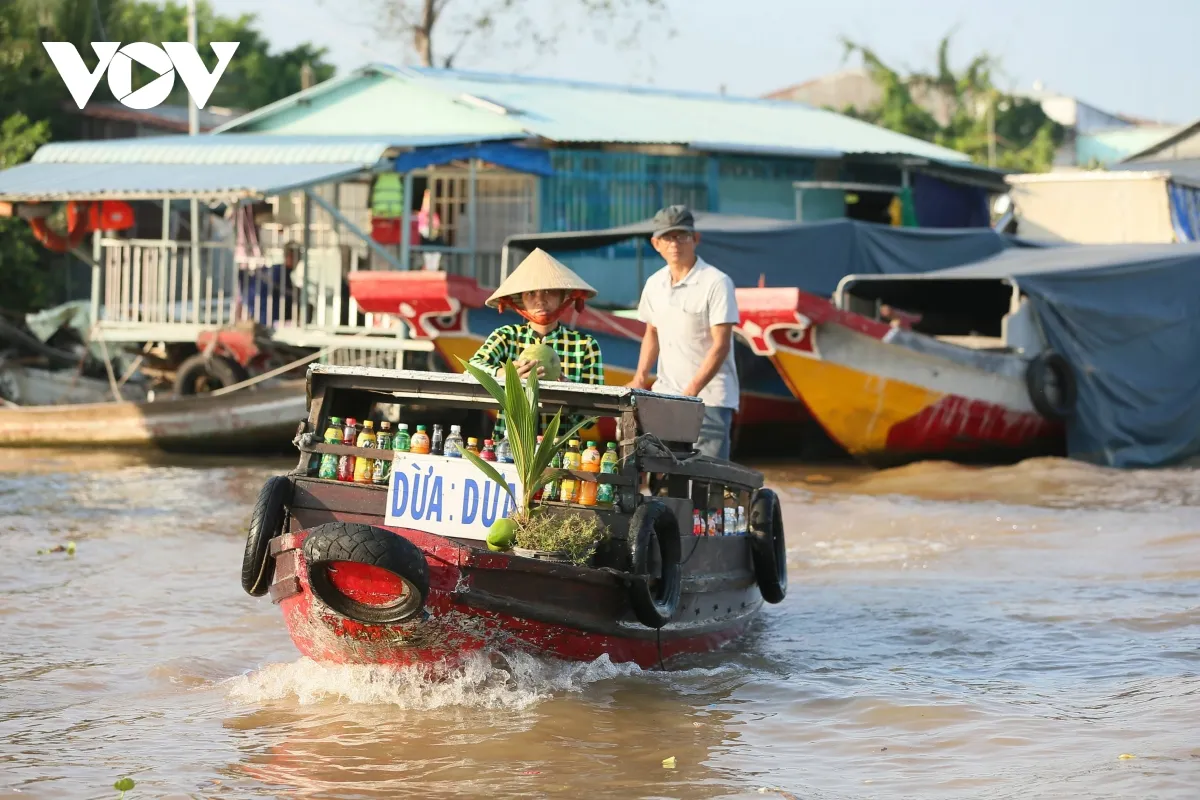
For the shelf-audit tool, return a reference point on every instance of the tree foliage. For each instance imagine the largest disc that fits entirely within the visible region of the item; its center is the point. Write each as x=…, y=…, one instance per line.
x=445, y=32
x=36, y=107
x=952, y=108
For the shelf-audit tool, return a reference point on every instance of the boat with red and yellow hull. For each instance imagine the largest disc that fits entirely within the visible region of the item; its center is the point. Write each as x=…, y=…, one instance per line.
x=889, y=395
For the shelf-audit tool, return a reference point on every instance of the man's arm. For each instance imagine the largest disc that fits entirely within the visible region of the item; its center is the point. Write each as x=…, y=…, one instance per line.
x=647, y=359
x=722, y=340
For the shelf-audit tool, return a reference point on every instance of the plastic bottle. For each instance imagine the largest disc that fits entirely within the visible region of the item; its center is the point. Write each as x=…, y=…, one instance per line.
x=571, y=460
x=329, y=462
x=365, y=467
x=503, y=450
x=345, y=470
x=454, y=443
x=589, y=461
x=420, y=441
x=606, y=492
x=437, y=443
x=383, y=466
x=401, y=443
x=489, y=450
x=473, y=444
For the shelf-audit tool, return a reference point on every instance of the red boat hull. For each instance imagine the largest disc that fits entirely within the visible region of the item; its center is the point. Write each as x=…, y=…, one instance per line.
x=481, y=600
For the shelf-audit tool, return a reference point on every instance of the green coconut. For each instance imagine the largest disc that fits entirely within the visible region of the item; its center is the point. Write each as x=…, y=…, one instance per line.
x=502, y=535
x=546, y=357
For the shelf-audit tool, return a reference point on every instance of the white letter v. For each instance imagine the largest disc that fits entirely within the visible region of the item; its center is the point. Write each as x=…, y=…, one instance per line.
x=80, y=83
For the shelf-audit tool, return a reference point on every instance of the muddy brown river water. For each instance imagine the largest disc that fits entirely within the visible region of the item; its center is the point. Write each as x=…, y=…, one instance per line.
x=1016, y=632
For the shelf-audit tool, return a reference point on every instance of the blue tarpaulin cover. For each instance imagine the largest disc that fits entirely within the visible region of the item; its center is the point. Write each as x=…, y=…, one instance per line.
x=1127, y=318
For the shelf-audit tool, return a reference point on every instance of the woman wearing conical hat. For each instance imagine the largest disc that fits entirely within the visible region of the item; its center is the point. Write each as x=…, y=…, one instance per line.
x=542, y=289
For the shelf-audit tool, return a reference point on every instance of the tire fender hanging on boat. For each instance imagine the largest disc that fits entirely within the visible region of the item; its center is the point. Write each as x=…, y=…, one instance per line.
x=265, y=524
x=654, y=532
x=209, y=368
x=1052, y=386
x=767, y=545
x=355, y=553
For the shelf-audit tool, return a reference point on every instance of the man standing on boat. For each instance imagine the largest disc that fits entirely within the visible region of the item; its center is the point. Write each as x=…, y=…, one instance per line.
x=542, y=289
x=690, y=308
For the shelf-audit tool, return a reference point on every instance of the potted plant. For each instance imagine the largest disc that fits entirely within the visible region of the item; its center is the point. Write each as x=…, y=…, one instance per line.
x=531, y=532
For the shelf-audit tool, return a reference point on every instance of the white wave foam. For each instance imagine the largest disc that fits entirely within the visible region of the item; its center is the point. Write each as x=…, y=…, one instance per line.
x=512, y=681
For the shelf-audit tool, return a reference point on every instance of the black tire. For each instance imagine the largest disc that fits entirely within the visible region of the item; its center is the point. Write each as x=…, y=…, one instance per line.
x=200, y=374
x=366, y=544
x=270, y=510
x=767, y=546
x=1052, y=386
x=655, y=598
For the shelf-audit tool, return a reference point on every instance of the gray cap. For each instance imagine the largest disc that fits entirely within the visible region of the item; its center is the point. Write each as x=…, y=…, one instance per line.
x=674, y=218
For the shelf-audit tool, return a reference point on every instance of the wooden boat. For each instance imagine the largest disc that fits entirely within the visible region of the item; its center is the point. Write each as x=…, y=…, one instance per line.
x=448, y=310
x=889, y=394
x=255, y=419
x=400, y=574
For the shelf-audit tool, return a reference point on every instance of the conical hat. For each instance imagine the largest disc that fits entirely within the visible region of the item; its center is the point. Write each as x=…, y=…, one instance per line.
x=540, y=271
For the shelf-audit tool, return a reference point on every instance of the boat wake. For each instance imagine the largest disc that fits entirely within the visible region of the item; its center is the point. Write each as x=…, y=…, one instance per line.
x=511, y=681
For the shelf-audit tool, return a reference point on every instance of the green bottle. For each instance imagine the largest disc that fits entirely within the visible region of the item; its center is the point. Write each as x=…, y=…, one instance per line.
x=608, y=466
x=400, y=443
x=329, y=462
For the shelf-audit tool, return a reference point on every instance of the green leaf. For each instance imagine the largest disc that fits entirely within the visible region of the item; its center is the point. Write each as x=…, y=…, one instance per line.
x=486, y=381
x=124, y=785
x=491, y=472
x=520, y=427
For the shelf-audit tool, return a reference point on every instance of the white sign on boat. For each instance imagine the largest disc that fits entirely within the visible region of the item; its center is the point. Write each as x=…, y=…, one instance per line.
x=447, y=496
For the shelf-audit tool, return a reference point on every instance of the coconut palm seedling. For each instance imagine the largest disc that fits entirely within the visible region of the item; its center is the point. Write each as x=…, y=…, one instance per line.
x=520, y=406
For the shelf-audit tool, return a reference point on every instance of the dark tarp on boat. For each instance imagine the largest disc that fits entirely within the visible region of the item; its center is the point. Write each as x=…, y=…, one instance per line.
x=812, y=256
x=1127, y=317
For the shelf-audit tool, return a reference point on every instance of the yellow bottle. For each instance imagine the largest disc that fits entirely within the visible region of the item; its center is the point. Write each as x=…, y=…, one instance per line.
x=364, y=467
x=571, y=460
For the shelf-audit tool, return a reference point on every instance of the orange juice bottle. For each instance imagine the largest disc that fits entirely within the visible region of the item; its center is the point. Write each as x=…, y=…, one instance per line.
x=420, y=441
x=589, y=462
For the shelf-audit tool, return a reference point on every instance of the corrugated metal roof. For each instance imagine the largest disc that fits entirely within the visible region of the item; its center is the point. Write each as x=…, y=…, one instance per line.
x=572, y=111
x=152, y=181
x=238, y=148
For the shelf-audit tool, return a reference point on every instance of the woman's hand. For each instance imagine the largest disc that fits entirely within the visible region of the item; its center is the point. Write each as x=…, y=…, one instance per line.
x=525, y=367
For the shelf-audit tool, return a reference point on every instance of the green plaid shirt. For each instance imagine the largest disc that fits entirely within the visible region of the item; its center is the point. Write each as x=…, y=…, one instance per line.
x=579, y=353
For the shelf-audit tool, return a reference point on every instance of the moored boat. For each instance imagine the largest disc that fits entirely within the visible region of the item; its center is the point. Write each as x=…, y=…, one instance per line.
x=400, y=573
x=254, y=419
x=890, y=394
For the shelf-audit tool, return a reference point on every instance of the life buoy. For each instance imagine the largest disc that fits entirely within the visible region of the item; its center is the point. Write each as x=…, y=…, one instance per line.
x=767, y=546
x=77, y=228
x=265, y=524
x=654, y=597
x=1051, y=384
x=356, y=543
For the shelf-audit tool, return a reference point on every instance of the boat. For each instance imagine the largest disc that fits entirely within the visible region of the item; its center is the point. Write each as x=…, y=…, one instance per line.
x=448, y=310
x=400, y=574
x=890, y=394
x=255, y=419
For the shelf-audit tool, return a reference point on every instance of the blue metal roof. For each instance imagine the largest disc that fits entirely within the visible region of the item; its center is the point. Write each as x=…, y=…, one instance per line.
x=240, y=148
x=578, y=112
x=35, y=182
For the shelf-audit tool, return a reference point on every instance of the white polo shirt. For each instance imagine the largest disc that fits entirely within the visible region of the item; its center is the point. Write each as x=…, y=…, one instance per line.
x=684, y=314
